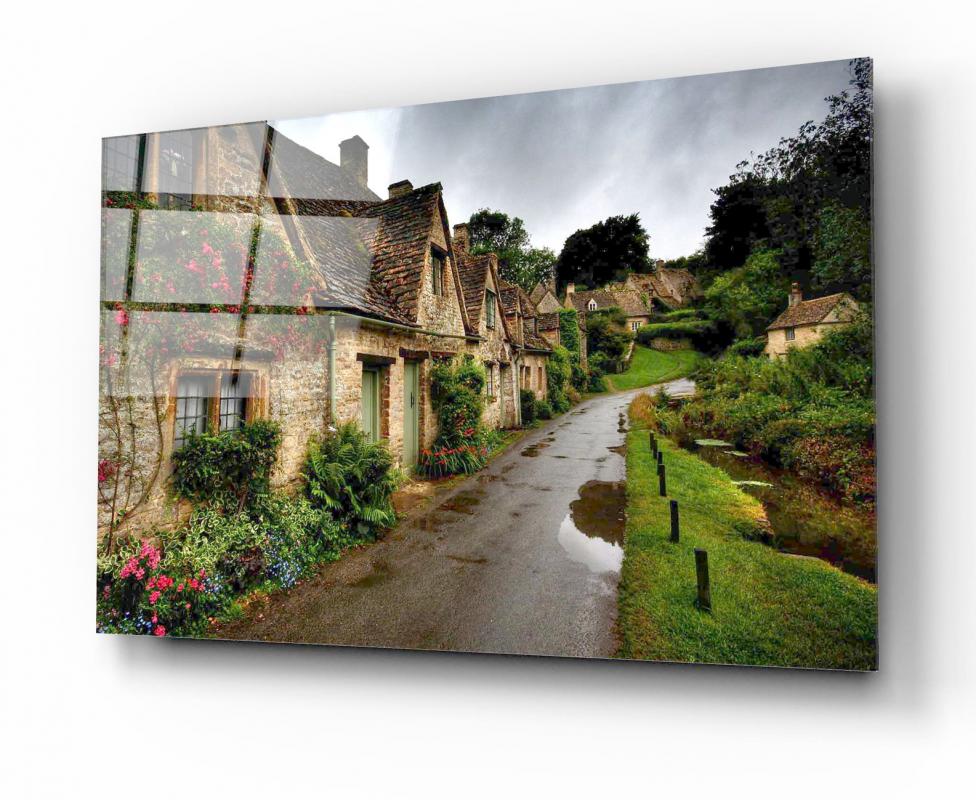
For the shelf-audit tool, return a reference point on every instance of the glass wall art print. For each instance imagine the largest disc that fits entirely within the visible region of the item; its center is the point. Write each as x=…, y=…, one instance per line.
x=580, y=373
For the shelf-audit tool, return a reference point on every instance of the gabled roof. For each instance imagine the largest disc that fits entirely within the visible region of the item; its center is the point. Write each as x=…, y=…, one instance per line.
x=375, y=264
x=536, y=342
x=809, y=312
x=627, y=300
x=549, y=322
x=473, y=271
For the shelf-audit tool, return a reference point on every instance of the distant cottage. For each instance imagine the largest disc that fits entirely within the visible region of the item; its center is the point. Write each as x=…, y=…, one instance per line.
x=804, y=322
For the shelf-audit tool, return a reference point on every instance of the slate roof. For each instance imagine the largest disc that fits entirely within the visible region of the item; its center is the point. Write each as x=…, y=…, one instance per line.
x=297, y=172
x=371, y=254
x=533, y=341
x=473, y=270
x=808, y=312
x=549, y=322
x=627, y=300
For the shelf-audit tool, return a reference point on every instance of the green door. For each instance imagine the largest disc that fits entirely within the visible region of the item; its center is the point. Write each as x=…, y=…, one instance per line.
x=502, y=377
x=370, y=403
x=411, y=412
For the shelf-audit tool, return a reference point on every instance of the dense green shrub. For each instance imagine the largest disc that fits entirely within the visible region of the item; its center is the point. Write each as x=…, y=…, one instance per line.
x=569, y=332
x=353, y=479
x=596, y=382
x=608, y=339
x=527, y=403
x=748, y=347
x=462, y=445
x=558, y=373
x=228, y=469
x=579, y=377
x=677, y=315
x=543, y=410
x=700, y=332
x=812, y=411
x=175, y=585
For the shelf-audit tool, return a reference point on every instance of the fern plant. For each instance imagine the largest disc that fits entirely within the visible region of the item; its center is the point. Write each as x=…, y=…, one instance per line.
x=353, y=479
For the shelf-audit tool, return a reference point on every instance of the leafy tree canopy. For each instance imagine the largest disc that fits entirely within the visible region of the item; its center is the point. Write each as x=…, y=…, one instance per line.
x=518, y=262
x=809, y=198
x=604, y=252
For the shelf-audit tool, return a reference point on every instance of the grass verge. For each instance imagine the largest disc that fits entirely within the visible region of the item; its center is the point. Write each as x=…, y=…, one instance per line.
x=649, y=366
x=768, y=608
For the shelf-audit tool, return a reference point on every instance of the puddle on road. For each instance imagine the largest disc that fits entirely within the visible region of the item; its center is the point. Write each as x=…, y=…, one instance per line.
x=380, y=572
x=620, y=450
x=461, y=503
x=533, y=450
x=592, y=533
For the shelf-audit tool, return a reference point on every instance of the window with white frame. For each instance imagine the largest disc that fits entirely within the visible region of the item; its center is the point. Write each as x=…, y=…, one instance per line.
x=490, y=379
x=634, y=325
x=591, y=306
x=790, y=334
x=217, y=400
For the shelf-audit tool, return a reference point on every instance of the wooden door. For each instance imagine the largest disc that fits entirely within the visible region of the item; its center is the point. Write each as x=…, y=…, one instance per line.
x=411, y=412
x=370, y=403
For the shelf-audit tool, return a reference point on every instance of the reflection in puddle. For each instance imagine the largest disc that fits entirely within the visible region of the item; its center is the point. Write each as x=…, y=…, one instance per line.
x=533, y=450
x=593, y=531
x=462, y=503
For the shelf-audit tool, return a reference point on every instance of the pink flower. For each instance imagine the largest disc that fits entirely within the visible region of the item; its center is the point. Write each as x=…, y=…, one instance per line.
x=159, y=631
x=155, y=619
x=154, y=597
x=187, y=605
x=179, y=588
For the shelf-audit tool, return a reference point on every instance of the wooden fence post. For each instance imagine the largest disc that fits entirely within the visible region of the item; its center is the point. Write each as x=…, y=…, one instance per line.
x=662, y=484
x=704, y=590
x=653, y=445
x=660, y=456
x=674, y=520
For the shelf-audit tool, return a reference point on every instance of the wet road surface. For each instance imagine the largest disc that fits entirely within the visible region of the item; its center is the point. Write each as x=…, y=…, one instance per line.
x=521, y=558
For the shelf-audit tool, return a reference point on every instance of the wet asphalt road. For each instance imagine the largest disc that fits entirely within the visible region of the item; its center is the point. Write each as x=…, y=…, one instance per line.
x=497, y=565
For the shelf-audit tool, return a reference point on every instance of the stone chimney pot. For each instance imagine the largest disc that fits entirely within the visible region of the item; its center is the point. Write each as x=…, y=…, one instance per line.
x=354, y=159
x=462, y=237
x=796, y=294
x=400, y=188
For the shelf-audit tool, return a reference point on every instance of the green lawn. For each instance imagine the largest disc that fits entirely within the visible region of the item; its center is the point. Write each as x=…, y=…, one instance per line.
x=768, y=608
x=649, y=366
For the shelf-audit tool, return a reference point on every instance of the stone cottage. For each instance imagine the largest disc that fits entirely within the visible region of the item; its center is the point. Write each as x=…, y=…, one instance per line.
x=523, y=321
x=627, y=300
x=245, y=276
x=804, y=322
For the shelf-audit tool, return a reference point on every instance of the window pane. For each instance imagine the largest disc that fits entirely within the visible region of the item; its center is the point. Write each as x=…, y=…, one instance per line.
x=235, y=388
x=192, y=406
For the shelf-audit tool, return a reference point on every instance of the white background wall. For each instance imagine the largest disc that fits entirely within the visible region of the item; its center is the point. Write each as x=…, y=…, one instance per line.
x=87, y=715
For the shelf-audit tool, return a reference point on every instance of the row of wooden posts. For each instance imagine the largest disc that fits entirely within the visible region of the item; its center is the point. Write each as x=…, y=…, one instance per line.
x=701, y=556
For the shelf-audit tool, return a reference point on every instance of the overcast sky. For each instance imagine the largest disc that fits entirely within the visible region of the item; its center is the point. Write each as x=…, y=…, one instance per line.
x=566, y=159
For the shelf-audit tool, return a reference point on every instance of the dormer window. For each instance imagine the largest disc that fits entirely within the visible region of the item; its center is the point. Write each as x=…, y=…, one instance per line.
x=591, y=306
x=437, y=270
x=489, y=308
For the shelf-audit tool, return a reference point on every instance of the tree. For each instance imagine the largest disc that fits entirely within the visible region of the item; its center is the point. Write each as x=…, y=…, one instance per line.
x=607, y=339
x=604, y=252
x=842, y=251
x=743, y=301
x=778, y=200
x=505, y=236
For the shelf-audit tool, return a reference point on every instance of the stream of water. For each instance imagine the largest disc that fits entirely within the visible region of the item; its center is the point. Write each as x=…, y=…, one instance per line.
x=806, y=519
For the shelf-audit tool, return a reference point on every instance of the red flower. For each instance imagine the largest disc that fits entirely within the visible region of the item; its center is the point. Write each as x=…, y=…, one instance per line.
x=159, y=631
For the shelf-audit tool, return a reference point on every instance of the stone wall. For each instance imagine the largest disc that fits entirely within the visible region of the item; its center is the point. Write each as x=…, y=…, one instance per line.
x=806, y=335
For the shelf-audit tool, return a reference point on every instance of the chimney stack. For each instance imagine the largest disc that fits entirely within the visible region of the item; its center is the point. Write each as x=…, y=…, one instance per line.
x=796, y=294
x=354, y=159
x=462, y=237
x=570, y=289
x=400, y=188
x=659, y=264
